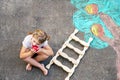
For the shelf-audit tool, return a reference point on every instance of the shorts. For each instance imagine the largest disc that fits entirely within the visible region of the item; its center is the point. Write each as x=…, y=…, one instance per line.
x=34, y=55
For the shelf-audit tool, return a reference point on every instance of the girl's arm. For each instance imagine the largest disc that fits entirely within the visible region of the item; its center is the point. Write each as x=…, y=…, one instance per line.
x=25, y=52
x=46, y=50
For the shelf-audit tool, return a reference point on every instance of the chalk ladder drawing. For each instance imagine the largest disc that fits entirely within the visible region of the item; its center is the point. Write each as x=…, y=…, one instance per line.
x=64, y=55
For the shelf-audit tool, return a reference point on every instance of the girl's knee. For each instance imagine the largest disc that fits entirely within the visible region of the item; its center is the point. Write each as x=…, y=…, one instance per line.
x=45, y=56
x=41, y=57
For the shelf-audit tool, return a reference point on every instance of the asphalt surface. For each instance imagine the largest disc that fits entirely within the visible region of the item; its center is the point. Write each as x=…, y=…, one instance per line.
x=17, y=17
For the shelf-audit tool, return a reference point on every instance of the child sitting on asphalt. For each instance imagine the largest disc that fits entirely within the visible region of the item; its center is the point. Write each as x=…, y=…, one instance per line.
x=35, y=48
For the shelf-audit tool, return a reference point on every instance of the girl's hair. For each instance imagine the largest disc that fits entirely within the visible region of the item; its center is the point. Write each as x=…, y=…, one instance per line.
x=40, y=35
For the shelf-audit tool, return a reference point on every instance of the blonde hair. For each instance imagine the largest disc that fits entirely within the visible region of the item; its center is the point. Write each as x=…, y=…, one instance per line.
x=40, y=35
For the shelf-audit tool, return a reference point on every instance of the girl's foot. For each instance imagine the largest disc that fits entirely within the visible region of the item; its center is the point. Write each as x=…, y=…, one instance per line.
x=45, y=71
x=28, y=67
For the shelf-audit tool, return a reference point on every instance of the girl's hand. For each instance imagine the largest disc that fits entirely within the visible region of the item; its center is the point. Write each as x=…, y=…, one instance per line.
x=38, y=51
x=33, y=50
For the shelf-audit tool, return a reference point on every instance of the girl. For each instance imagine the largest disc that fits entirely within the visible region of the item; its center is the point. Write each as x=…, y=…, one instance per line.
x=34, y=49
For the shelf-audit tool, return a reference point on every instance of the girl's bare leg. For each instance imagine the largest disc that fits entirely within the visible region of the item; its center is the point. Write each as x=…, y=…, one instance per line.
x=37, y=64
x=38, y=58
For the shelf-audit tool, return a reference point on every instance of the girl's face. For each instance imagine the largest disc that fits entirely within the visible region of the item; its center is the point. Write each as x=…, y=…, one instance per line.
x=34, y=41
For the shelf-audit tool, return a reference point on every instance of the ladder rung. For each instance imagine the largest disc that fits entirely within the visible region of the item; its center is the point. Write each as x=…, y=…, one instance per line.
x=67, y=57
x=75, y=49
x=80, y=41
x=58, y=63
